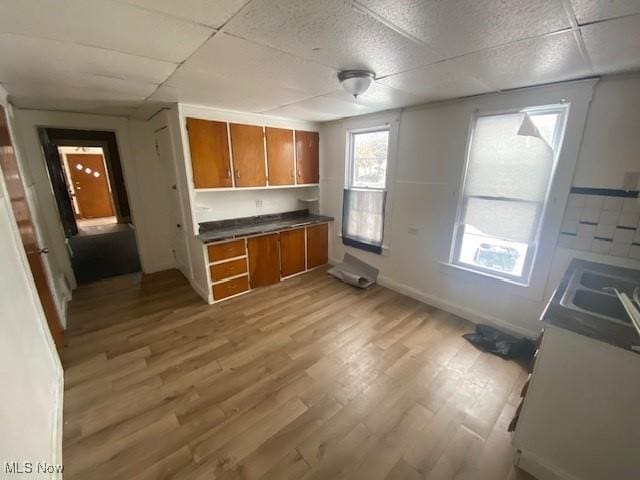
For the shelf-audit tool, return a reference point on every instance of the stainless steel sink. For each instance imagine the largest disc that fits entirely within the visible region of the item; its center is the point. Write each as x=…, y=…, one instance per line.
x=591, y=292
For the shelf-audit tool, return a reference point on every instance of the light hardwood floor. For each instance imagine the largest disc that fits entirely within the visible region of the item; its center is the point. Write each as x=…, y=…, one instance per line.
x=309, y=378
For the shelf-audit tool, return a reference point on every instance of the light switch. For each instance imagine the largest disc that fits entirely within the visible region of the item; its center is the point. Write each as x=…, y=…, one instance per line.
x=258, y=203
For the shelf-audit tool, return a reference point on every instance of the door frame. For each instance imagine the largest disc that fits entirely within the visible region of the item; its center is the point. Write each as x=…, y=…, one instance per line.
x=51, y=139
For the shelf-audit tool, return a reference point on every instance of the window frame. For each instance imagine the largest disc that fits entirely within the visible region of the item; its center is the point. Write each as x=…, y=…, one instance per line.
x=532, y=249
x=351, y=133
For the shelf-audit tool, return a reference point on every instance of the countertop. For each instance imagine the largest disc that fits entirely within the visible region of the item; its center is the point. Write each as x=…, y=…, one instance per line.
x=584, y=323
x=242, y=227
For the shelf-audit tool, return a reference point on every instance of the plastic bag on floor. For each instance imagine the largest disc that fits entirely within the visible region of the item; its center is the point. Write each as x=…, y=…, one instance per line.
x=492, y=340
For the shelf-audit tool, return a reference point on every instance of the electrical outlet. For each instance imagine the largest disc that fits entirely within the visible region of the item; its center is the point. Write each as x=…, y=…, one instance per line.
x=258, y=203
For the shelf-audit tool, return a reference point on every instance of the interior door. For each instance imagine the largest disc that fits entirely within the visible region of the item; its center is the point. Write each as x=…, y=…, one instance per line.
x=165, y=156
x=280, y=156
x=264, y=260
x=247, y=145
x=292, y=252
x=209, y=146
x=307, y=157
x=18, y=198
x=90, y=185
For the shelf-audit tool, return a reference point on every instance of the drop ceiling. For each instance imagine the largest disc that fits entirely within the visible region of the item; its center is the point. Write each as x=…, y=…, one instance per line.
x=281, y=57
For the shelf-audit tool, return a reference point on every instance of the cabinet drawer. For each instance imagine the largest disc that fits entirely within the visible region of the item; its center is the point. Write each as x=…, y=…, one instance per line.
x=222, y=251
x=228, y=269
x=230, y=287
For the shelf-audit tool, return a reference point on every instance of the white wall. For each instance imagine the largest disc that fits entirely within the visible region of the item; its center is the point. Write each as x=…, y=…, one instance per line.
x=31, y=373
x=429, y=166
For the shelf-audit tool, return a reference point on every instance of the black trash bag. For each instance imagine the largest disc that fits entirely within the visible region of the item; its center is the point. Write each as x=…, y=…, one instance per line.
x=492, y=340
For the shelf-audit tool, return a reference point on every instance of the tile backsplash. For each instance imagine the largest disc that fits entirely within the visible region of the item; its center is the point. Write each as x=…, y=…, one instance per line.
x=602, y=221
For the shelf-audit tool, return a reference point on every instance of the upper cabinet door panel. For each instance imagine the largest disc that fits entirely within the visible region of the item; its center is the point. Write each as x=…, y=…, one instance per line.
x=280, y=156
x=307, y=157
x=247, y=145
x=209, y=146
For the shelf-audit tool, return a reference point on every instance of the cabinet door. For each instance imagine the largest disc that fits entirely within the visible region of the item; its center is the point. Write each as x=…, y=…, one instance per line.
x=317, y=245
x=209, y=146
x=292, y=250
x=307, y=157
x=280, y=156
x=247, y=145
x=264, y=260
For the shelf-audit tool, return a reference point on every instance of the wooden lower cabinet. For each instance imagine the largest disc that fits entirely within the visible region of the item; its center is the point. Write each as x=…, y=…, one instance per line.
x=230, y=287
x=264, y=260
x=317, y=245
x=269, y=257
x=292, y=252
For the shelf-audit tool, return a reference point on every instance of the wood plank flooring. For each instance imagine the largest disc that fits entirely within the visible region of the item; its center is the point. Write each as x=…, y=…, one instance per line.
x=309, y=378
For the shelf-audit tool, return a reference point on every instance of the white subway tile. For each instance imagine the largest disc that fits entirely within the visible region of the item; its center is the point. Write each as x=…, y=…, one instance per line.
x=634, y=252
x=605, y=231
x=594, y=201
x=631, y=205
x=620, y=249
x=576, y=200
x=590, y=215
x=628, y=219
x=566, y=241
x=609, y=217
x=613, y=203
x=572, y=213
x=623, y=236
x=600, y=246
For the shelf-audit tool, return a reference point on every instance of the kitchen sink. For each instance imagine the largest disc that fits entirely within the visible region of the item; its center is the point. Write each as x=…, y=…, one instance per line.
x=592, y=292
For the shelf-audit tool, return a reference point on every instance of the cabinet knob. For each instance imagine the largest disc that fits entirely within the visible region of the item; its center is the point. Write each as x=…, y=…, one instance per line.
x=228, y=173
x=237, y=173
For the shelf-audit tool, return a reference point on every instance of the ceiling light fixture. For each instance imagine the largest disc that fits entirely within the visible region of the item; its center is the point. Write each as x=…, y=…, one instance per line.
x=356, y=82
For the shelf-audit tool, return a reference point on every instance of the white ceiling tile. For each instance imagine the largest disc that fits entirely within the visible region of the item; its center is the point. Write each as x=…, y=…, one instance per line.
x=232, y=58
x=213, y=13
x=331, y=32
x=333, y=106
x=592, y=10
x=379, y=97
x=48, y=57
x=614, y=45
x=104, y=24
x=200, y=87
x=463, y=26
x=301, y=113
x=437, y=82
x=536, y=61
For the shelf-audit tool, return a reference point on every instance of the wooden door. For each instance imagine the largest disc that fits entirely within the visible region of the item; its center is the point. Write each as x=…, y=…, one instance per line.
x=20, y=207
x=317, y=245
x=90, y=185
x=292, y=252
x=247, y=145
x=280, y=156
x=209, y=145
x=307, y=157
x=264, y=260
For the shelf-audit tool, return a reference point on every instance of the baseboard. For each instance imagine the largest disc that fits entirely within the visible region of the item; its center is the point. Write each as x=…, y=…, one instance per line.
x=530, y=463
x=57, y=423
x=203, y=292
x=463, y=312
x=160, y=267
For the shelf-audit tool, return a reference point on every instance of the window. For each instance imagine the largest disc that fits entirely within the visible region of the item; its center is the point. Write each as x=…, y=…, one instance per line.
x=510, y=163
x=365, y=191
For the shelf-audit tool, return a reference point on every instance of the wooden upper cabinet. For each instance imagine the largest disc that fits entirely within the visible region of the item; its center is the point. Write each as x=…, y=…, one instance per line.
x=317, y=245
x=264, y=260
x=280, y=156
x=292, y=252
x=307, y=155
x=247, y=145
x=209, y=145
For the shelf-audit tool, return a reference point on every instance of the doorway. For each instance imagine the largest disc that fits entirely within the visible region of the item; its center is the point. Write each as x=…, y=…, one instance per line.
x=87, y=180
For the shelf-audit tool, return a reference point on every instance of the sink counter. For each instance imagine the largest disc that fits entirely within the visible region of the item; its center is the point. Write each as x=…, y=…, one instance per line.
x=589, y=324
x=247, y=226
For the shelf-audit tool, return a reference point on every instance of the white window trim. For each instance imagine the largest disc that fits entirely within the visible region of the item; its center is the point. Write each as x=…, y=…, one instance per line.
x=456, y=239
x=376, y=123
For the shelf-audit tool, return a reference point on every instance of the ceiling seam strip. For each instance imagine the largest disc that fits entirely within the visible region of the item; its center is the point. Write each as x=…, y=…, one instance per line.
x=215, y=31
x=577, y=33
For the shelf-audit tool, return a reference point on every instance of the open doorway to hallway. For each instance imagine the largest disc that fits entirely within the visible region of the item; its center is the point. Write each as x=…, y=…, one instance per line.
x=88, y=183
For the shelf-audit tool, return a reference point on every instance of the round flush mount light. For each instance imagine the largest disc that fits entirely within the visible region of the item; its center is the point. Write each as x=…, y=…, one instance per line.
x=356, y=82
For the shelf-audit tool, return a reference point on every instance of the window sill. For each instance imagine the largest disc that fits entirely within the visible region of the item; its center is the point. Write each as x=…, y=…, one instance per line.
x=385, y=248
x=484, y=274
